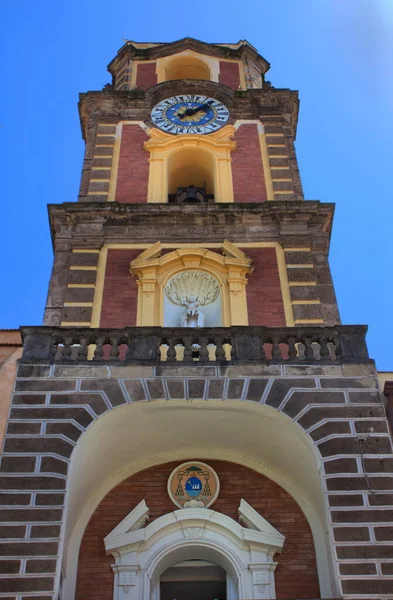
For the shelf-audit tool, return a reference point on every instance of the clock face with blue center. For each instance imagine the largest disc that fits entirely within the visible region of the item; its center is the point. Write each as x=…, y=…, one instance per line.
x=189, y=113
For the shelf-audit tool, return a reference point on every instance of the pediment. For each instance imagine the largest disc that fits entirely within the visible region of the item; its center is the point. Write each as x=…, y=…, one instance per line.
x=193, y=523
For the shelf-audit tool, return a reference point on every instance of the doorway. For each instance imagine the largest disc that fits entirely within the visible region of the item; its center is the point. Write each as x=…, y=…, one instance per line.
x=193, y=580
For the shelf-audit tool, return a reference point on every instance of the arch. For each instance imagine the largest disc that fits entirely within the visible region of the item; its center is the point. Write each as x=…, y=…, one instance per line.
x=142, y=554
x=256, y=436
x=214, y=150
x=188, y=64
x=187, y=67
x=191, y=166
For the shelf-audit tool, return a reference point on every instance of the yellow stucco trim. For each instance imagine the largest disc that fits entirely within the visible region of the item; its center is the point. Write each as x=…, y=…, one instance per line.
x=75, y=324
x=300, y=283
x=99, y=287
x=306, y=249
x=79, y=268
x=99, y=181
x=277, y=179
x=97, y=193
x=81, y=285
x=282, y=270
x=85, y=251
x=306, y=302
x=78, y=303
x=306, y=321
x=162, y=146
x=115, y=163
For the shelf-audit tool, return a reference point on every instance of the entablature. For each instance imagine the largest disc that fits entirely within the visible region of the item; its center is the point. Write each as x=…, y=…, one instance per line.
x=292, y=223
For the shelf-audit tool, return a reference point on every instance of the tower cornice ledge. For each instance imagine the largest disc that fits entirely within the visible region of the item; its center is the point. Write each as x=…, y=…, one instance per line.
x=93, y=224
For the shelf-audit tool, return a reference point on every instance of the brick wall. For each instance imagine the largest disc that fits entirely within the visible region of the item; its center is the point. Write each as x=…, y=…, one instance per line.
x=247, y=169
x=53, y=405
x=296, y=574
x=133, y=169
x=264, y=297
x=120, y=296
x=146, y=75
x=229, y=74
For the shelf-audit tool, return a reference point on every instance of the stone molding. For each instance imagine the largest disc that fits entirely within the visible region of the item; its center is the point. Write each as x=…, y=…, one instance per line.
x=246, y=553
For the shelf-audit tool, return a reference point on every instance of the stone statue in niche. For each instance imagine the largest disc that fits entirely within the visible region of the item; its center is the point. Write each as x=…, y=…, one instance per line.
x=192, y=289
x=192, y=317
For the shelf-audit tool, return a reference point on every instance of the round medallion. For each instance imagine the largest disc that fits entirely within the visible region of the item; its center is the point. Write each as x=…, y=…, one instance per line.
x=193, y=485
x=189, y=113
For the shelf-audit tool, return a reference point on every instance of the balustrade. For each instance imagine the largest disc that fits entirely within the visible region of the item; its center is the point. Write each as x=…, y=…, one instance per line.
x=227, y=345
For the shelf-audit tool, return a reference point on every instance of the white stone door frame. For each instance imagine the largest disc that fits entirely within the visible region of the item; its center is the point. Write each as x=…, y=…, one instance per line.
x=245, y=551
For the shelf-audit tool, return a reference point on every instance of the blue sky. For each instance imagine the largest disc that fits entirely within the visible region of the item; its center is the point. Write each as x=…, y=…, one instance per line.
x=337, y=53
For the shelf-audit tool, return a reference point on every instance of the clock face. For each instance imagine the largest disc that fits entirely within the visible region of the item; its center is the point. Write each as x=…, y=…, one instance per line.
x=189, y=113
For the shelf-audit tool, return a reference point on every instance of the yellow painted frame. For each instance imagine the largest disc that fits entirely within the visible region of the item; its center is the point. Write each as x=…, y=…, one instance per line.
x=153, y=271
x=284, y=283
x=162, y=145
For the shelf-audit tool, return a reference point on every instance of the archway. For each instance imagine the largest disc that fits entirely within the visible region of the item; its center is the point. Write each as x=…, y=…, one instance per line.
x=206, y=579
x=256, y=436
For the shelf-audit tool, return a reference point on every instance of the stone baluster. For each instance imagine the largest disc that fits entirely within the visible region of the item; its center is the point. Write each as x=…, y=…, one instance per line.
x=67, y=350
x=82, y=350
x=114, y=354
x=203, y=351
x=187, y=342
x=99, y=351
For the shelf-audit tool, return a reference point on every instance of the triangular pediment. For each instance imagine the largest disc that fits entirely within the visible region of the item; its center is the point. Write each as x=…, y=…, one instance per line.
x=131, y=532
x=135, y=520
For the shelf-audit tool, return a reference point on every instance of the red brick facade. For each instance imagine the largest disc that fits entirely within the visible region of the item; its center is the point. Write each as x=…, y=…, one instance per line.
x=133, y=170
x=247, y=169
x=146, y=75
x=120, y=296
x=264, y=297
x=229, y=74
x=296, y=574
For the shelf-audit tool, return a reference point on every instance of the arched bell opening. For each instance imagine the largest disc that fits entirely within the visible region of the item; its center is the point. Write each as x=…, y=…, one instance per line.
x=187, y=67
x=191, y=176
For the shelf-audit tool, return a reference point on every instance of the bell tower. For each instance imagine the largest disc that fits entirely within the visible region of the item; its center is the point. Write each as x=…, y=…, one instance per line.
x=192, y=415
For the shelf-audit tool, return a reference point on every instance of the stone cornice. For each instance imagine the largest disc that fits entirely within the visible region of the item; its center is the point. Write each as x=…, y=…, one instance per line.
x=91, y=225
x=166, y=49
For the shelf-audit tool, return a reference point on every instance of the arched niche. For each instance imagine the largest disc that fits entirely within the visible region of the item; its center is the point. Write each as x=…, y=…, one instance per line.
x=187, y=67
x=153, y=271
x=255, y=436
x=175, y=158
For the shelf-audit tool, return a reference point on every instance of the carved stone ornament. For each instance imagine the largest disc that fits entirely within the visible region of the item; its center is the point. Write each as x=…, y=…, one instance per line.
x=193, y=533
x=193, y=485
x=192, y=289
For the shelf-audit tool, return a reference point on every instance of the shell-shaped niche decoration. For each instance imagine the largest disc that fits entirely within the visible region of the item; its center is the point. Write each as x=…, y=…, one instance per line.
x=197, y=285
